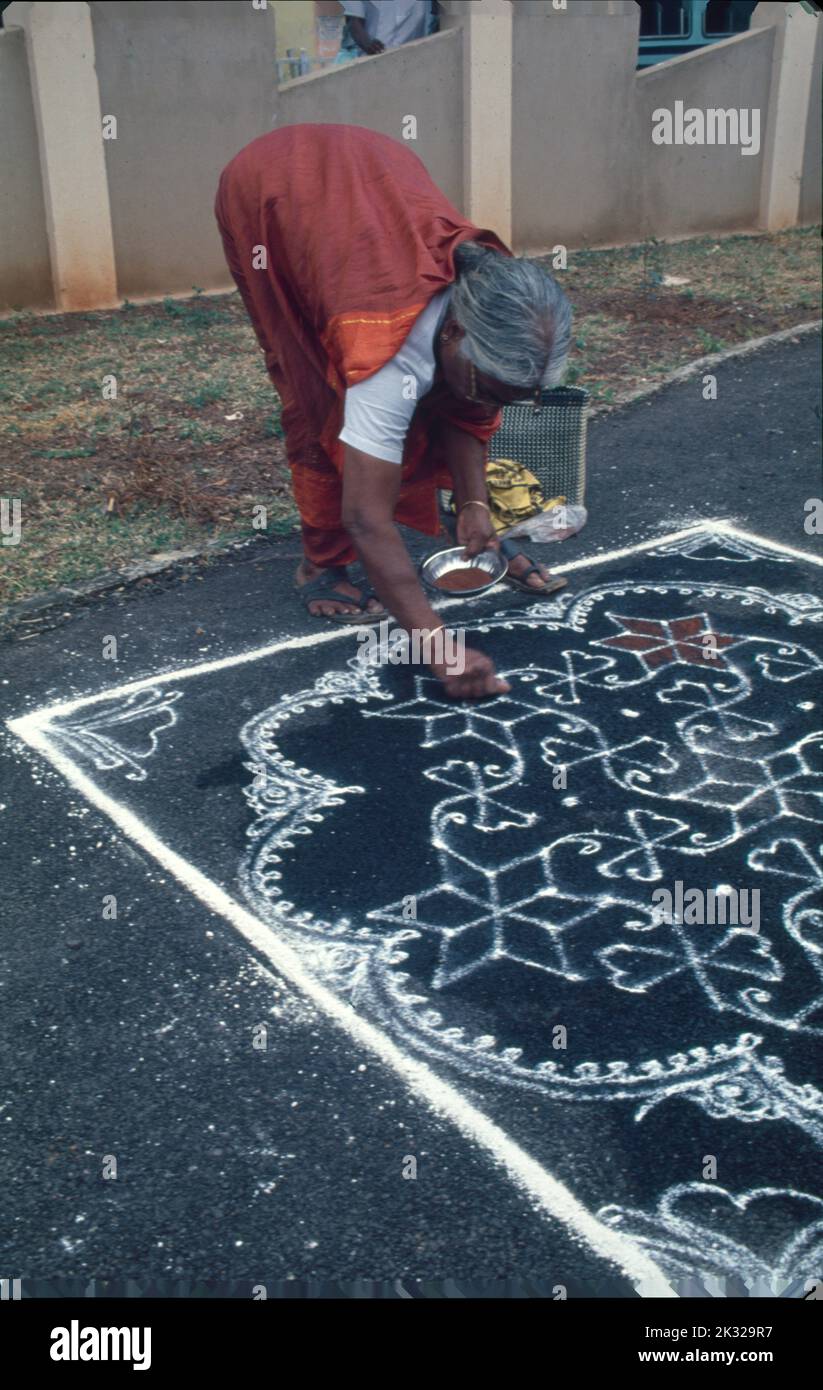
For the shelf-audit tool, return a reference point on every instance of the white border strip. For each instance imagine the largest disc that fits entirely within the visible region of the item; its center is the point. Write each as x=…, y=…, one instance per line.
x=313, y=639
x=729, y=529
x=726, y=528
x=529, y=1176
x=552, y=1196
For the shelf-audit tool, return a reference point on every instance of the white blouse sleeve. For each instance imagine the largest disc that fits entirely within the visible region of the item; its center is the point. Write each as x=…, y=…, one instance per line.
x=378, y=412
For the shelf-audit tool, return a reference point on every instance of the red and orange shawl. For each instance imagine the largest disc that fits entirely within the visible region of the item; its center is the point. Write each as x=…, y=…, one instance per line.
x=337, y=239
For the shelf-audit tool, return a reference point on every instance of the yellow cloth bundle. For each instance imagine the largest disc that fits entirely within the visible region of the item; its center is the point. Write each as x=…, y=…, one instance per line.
x=514, y=494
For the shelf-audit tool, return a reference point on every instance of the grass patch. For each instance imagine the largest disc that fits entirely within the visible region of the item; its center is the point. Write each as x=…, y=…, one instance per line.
x=118, y=442
x=155, y=426
x=641, y=311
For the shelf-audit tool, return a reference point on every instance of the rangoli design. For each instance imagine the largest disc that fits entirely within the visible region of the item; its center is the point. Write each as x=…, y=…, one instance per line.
x=666, y=730
x=125, y=734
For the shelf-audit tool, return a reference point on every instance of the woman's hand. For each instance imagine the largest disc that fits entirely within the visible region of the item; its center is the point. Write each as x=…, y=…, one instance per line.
x=475, y=531
x=361, y=38
x=477, y=680
x=370, y=491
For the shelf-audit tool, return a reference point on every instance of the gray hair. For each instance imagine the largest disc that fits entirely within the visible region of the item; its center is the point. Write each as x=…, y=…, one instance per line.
x=516, y=319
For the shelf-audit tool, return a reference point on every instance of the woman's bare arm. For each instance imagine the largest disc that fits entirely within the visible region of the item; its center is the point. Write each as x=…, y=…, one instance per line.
x=370, y=490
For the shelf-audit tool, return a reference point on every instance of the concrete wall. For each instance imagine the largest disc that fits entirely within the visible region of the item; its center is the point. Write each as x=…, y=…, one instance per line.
x=575, y=176
x=190, y=84
x=532, y=120
x=421, y=79
x=585, y=170
x=688, y=189
x=25, y=267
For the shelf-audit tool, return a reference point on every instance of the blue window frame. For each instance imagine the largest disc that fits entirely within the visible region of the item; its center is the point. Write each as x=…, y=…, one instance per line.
x=670, y=28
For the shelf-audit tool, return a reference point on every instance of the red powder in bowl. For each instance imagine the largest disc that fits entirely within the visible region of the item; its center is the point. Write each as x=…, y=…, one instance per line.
x=463, y=579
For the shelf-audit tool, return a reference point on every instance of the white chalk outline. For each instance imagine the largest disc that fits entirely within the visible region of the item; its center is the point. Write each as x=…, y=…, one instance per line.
x=524, y=1171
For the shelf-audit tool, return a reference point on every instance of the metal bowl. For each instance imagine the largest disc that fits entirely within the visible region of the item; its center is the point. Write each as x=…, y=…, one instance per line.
x=490, y=565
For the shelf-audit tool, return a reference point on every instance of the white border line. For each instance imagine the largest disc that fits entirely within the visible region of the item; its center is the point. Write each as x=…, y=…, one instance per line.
x=313, y=639
x=727, y=528
x=525, y=1172
x=528, y=1175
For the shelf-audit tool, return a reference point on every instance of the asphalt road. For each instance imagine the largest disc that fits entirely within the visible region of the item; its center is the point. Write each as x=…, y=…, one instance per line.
x=130, y=1037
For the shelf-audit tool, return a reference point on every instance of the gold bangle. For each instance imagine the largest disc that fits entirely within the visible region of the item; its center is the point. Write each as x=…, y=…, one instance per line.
x=474, y=502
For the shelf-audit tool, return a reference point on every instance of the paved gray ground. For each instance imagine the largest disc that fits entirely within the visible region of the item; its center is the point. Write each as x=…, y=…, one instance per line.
x=131, y=1037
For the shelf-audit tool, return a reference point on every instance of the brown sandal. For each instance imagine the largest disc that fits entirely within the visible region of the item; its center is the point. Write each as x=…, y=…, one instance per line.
x=549, y=586
x=323, y=587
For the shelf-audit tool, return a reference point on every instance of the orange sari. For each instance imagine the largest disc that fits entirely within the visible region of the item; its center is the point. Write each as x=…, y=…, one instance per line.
x=337, y=239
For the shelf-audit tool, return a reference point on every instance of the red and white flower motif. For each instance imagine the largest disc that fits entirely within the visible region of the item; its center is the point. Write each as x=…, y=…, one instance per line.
x=658, y=642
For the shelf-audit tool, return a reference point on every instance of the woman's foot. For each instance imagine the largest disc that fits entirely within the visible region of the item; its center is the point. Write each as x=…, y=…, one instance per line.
x=326, y=607
x=539, y=581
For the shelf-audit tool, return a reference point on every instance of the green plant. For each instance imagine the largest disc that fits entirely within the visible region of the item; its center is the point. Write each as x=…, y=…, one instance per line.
x=66, y=453
x=709, y=342
x=653, y=254
x=207, y=394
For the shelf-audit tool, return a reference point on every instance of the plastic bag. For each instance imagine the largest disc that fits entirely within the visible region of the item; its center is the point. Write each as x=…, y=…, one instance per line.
x=554, y=524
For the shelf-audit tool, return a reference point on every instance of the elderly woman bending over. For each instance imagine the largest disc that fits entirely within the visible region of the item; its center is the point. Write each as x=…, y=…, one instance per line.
x=394, y=331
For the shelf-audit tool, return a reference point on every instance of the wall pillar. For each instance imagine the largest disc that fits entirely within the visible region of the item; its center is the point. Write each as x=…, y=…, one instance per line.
x=487, y=110
x=69, y=130
x=789, y=95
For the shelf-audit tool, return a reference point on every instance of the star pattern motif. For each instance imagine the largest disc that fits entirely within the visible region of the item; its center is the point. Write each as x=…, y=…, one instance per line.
x=562, y=883
x=619, y=762
x=657, y=642
x=510, y=885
